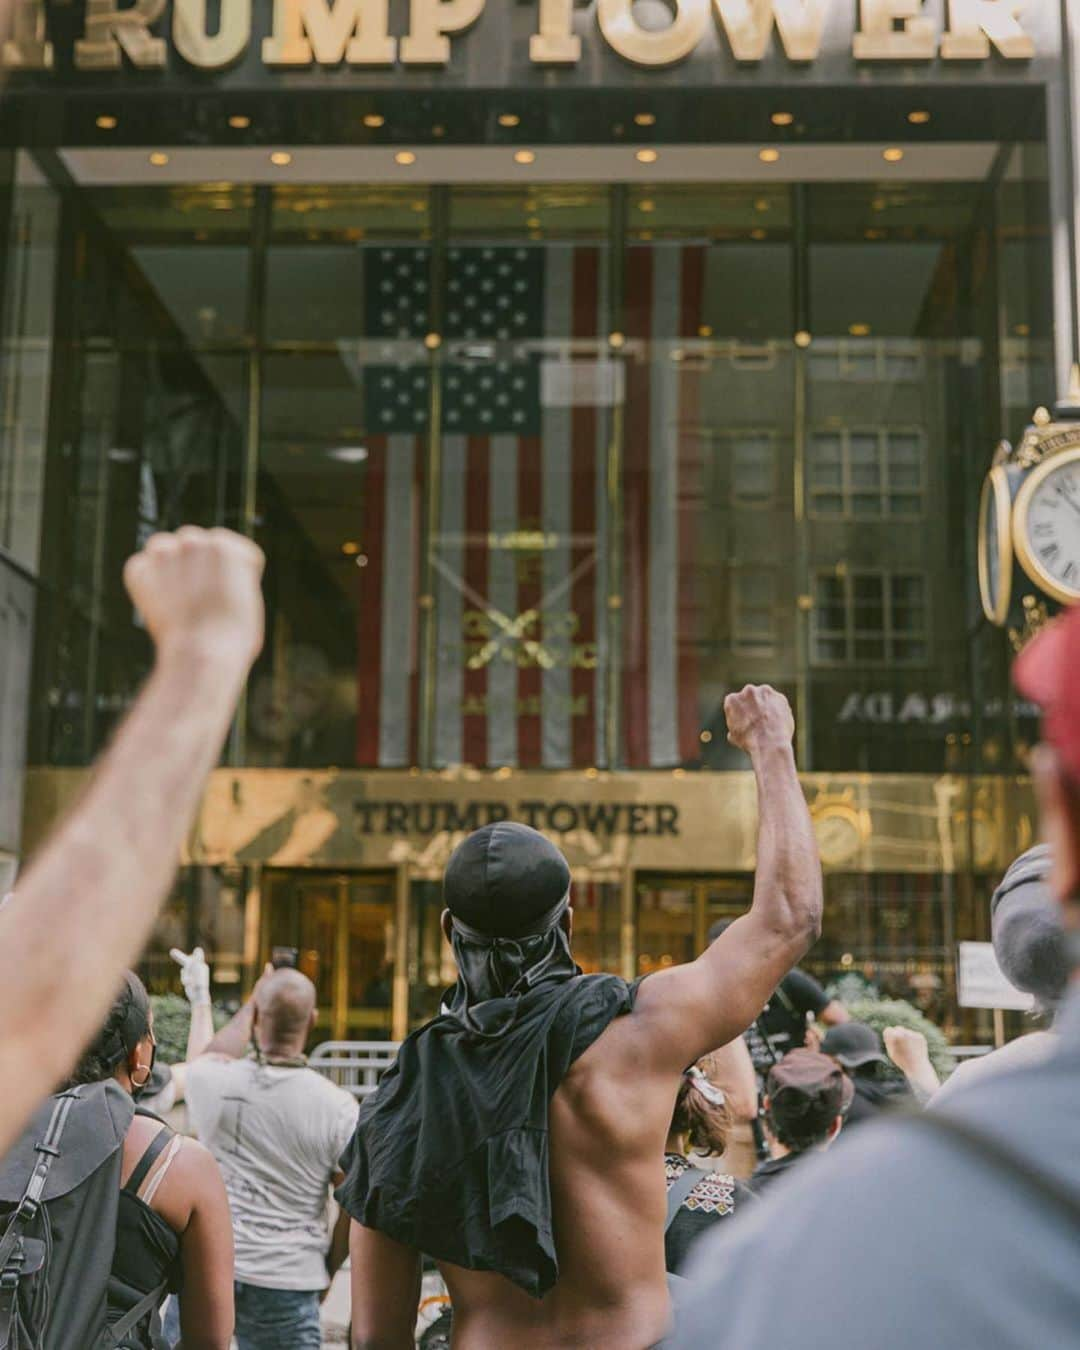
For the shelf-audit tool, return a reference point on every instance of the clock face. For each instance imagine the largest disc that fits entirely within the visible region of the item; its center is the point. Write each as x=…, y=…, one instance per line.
x=995, y=546
x=1048, y=526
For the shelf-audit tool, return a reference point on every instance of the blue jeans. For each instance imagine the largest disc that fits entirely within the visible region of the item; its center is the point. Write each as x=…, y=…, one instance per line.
x=277, y=1319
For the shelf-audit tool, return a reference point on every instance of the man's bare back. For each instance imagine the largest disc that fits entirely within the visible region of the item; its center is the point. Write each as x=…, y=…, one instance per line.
x=609, y=1202
x=609, y=1115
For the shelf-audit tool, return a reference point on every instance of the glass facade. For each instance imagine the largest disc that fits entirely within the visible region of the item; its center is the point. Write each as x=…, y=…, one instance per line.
x=543, y=472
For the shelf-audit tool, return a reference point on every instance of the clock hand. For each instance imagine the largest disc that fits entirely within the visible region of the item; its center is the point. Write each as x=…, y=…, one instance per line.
x=1070, y=499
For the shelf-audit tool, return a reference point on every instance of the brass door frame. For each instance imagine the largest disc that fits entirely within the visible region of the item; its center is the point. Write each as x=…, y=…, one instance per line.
x=337, y=1015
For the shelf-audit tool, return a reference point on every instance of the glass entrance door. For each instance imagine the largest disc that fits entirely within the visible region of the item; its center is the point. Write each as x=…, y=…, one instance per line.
x=342, y=925
x=674, y=915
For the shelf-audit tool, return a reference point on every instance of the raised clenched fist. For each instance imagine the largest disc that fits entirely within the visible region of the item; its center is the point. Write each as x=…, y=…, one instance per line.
x=758, y=717
x=200, y=587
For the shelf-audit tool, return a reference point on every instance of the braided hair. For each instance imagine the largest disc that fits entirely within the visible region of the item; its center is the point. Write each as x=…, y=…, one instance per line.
x=127, y=1024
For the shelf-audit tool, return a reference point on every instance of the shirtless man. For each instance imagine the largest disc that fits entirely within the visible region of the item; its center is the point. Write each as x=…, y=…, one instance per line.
x=590, y=1271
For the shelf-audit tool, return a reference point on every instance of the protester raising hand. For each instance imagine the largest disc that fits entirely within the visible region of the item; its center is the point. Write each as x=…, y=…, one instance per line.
x=63, y=947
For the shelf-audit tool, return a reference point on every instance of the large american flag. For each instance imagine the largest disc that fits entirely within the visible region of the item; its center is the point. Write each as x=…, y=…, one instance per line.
x=522, y=549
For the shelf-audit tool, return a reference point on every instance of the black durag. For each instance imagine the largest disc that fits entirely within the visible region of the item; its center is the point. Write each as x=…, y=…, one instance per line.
x=450, y=1154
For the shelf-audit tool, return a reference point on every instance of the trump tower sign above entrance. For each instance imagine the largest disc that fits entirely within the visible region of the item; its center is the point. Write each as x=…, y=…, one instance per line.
x=546, y=43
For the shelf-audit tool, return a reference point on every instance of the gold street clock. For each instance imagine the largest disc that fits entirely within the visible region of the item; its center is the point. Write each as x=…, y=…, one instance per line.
x=995, y=545
x=1046, y=525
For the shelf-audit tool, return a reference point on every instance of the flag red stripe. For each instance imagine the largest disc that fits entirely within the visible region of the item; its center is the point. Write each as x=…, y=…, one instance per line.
x=583, y=681
x=530, y=591
x=635, y=598
x=477, y=526
x=369, y=587
x=689, y=483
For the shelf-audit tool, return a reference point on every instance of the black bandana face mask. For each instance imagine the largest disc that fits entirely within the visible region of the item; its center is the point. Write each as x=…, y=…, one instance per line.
x=496, y=972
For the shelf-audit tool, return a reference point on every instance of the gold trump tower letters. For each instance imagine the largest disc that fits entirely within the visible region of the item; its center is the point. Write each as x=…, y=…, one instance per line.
x=357, y=32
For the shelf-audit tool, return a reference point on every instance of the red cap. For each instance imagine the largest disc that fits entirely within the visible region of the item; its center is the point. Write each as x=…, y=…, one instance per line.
x=1047, y=671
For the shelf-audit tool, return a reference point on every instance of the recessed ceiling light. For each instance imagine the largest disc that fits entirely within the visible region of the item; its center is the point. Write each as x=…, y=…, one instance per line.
x=374, y=121
x=782, y=119
x=859, y=329
x=159, y=159
x=533, y=222
x=1022, y=329
x=645, y=119
x=873, y=234
x=350, y=548
x=105, y=122
x=509, y=120
x=762, y=204
x=348, y=454
x=616, y=340
x=705, y=330
x=438, y=131
x=239, y=122
x=405, y=157
x=646, y=205
x=647, y=156
x=758, y=233
x=525, y=156
x=646, y=234
x=433, y=342
x=705, y=737
x=918, y=117
x=878, y=204
x=803, y=338
x=893, y=155
x=281, y=158
x=769, y=155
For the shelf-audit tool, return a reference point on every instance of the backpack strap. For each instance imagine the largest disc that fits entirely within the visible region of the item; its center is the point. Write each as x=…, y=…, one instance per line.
x=148, y=1304
x=679, y=1192
x=47, y=1149
x=14, y=1243
x=1035, y=1179
x=148, y=1159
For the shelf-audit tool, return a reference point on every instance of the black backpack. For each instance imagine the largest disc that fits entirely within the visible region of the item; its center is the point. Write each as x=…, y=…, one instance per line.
x=59, y=1197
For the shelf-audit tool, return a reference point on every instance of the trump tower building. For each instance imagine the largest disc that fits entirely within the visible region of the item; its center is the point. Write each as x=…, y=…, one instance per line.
x=574, y=362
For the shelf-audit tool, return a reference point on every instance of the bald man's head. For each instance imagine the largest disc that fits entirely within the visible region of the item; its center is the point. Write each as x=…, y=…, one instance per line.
x=286, y=1005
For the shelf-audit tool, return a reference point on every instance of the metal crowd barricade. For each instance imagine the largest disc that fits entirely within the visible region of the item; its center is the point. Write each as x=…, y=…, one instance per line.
x=356, y=1066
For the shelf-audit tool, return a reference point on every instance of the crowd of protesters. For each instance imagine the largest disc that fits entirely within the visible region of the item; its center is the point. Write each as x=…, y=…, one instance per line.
x=542, y=1141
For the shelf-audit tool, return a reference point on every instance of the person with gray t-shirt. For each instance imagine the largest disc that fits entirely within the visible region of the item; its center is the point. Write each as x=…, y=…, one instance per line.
x=277, y=1130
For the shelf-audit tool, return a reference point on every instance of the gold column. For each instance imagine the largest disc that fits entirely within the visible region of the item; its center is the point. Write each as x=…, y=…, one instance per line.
x=256, y=929
x=399, y=1015
x=339, y=1012
x=629, y=929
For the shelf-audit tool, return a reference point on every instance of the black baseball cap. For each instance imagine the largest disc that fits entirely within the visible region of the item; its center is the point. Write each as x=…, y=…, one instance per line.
x=853, y=1044
x=807, y=1089
x=507, y=880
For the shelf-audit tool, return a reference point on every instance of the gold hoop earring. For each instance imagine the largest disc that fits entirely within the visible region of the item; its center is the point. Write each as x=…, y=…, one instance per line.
x=146, y=1080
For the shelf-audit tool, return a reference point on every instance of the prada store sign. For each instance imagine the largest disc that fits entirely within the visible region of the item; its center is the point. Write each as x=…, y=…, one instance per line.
x=373, y=35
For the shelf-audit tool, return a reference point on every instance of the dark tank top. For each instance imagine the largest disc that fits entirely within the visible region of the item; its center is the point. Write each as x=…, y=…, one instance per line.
x=147, y=1250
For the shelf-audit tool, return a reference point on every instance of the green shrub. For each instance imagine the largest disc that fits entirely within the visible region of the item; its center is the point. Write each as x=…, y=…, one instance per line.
x=897, y=1012
x=172, y=1018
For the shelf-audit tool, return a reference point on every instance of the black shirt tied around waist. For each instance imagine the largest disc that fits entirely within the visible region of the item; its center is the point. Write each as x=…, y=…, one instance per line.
x=450, y=1155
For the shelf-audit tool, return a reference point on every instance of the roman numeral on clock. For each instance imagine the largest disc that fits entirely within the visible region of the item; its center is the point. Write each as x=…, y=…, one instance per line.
x=1043, y=529
x=1070, y=573
x=1050, y=552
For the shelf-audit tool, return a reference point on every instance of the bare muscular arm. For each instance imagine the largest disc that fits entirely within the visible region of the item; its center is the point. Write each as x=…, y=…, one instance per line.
x=84, y=908
x=385, y=1291
x=683, y=1013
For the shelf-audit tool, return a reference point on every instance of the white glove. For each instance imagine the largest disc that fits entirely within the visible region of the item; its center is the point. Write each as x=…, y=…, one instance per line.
x=194, y=974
